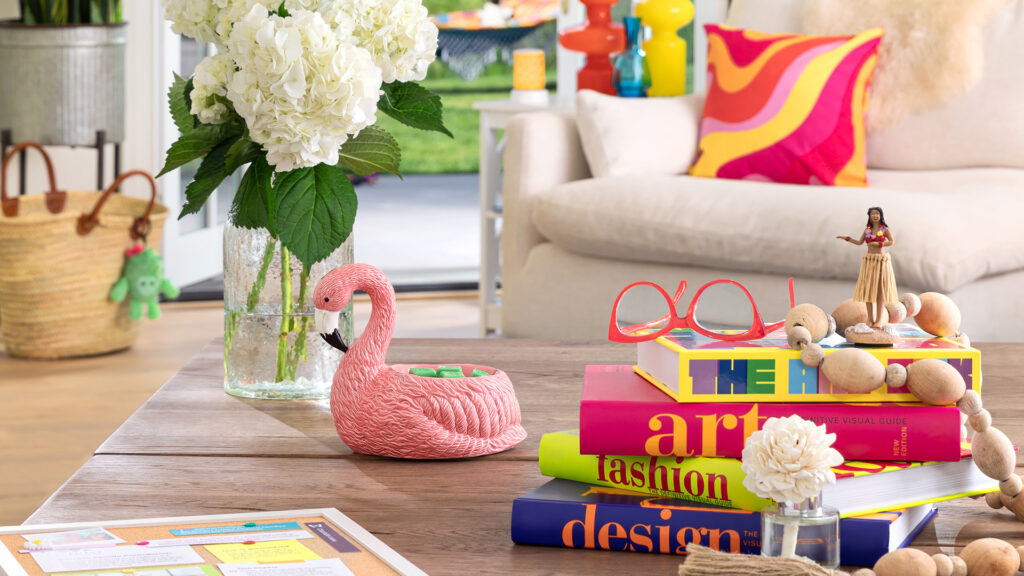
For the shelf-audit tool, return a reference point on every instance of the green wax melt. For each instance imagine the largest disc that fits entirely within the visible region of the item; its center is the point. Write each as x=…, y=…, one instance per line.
x=479, y=372
x=428, y=372
x=450, y=373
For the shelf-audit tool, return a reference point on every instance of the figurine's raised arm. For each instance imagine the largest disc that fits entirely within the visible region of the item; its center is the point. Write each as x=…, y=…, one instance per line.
x=851, y=240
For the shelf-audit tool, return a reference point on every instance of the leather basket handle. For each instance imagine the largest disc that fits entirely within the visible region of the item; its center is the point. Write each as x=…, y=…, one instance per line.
x=140, y=226
x=55, y=199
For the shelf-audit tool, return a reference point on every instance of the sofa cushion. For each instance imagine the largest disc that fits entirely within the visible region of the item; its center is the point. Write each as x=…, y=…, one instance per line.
x=951, y=227
x=638, y=135
x=786, y=107
x=982, y=127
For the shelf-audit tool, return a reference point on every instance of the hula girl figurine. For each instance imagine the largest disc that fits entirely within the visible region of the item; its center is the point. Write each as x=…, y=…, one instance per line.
x=876, y=284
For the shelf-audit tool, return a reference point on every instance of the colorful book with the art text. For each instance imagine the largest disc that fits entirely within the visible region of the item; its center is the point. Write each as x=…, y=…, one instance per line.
x=621, y=413
x=576, y=515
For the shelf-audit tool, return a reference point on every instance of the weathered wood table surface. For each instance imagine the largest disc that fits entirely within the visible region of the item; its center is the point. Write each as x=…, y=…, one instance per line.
x=191, y=449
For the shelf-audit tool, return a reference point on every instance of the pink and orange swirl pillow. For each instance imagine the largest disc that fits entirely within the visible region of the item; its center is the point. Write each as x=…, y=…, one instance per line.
x=786, y=107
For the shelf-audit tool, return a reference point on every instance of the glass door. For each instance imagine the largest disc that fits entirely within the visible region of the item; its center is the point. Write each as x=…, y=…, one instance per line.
x=193, y=245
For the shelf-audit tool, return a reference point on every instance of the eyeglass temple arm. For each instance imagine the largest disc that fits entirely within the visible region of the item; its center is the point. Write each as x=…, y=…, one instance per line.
x=792, y=300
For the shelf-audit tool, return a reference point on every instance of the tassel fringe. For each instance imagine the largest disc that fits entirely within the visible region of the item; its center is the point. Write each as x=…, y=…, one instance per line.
x=703, y=561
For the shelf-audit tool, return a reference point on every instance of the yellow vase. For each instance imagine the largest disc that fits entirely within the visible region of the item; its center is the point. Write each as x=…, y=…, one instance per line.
x=666, y=51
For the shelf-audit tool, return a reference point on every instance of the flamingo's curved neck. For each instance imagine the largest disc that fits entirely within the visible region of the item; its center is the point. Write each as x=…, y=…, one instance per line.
x=368, y=351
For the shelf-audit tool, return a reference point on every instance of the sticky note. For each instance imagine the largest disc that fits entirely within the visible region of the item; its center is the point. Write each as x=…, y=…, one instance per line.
x=279, y=551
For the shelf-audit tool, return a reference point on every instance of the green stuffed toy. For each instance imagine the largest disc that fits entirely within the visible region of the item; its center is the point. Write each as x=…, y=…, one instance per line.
x=143, y=279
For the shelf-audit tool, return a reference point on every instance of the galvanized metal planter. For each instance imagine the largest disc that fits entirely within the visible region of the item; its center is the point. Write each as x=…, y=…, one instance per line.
x=59, y=85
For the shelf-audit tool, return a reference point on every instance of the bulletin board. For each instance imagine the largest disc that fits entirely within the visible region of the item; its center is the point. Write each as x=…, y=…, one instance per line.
x=245, y=543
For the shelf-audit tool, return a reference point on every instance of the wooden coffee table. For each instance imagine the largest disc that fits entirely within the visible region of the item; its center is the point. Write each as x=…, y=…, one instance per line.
x=191, y=449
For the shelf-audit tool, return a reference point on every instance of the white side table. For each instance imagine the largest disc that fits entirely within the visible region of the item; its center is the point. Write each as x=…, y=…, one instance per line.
x=494, y=117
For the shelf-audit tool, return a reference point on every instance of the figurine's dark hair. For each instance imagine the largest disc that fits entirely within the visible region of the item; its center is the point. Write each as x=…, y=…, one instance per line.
x=881, y=219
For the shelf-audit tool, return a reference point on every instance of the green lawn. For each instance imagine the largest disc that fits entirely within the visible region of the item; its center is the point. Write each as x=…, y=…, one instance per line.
x=434, y=153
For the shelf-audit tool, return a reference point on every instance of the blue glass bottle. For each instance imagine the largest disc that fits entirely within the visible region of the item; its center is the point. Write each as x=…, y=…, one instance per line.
x=631, y=77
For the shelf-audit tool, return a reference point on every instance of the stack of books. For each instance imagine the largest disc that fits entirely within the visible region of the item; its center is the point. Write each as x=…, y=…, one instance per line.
x=655, y=463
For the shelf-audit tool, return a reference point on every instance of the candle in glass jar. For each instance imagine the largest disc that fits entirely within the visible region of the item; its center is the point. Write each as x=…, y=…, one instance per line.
x=528, y=69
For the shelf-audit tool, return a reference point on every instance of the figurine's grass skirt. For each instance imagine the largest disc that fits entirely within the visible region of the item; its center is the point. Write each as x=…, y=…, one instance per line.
x=876, y=278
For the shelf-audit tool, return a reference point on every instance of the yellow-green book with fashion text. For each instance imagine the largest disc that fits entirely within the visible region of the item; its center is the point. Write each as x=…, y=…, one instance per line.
x=860, y=488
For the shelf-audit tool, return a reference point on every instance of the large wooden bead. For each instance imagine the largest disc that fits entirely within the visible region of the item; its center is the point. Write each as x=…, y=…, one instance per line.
x=895, y=375
x=959, y=566
x=980, y=421
x=939, y=315
x=850, y=313
x=993, y=453
x=990, y=557
x=812, y=355
x=1011, y=486
x=811, y=317
x=905, y=562
x=911, y=302
x=798, y=337
x=897, y=311
x=1015, y=505
x=994, y=500
x=943, y=565
x=935, y=382
x=962, y=338
x=970, y=404
x=854, y=370
x=1020, y=552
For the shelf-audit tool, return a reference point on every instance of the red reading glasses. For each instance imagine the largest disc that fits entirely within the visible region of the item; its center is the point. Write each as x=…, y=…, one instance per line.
x=655, y=328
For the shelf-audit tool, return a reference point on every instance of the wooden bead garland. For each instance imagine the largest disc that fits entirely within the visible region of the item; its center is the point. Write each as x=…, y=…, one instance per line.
x=930, y=380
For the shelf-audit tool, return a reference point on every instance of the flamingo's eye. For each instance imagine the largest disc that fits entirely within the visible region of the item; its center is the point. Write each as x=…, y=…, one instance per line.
x=327, y=299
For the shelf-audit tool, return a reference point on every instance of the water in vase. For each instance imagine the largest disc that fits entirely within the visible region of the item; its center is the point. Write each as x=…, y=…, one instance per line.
x=271, y=347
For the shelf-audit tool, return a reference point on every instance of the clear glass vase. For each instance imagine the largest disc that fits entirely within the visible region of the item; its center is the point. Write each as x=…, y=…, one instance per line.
x=271, y=348
x=806, y=529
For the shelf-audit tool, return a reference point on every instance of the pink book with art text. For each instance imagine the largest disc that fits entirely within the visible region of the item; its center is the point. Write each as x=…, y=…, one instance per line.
x=623, y=414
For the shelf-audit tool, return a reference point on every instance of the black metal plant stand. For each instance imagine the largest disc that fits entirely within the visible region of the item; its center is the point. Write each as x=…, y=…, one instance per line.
x=6, y=141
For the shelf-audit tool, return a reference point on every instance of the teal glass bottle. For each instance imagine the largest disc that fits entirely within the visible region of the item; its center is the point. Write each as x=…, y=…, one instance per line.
x=631, y=76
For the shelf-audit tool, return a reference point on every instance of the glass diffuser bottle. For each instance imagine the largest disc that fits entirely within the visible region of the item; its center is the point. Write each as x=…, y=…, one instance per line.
x=806, y=529
x=631, y=76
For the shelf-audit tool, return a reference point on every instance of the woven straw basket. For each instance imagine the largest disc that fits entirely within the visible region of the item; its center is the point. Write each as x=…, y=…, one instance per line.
x=60, y=254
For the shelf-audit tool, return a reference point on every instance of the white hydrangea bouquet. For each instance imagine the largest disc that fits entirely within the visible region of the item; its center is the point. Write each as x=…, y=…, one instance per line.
x=294, y=91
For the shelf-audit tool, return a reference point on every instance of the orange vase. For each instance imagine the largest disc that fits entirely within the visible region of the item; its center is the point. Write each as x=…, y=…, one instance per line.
x=598, y=37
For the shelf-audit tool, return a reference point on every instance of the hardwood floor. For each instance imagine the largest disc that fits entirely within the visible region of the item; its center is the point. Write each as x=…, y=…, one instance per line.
x=54, y=414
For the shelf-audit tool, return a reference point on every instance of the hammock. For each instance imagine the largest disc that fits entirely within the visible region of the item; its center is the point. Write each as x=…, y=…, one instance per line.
x=469, y=40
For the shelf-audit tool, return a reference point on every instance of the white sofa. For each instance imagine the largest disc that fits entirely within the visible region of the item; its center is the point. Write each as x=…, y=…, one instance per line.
x=950, y=179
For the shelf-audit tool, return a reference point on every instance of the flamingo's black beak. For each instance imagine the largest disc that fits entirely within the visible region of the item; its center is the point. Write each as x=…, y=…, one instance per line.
x=327, y=326
x=334, y=339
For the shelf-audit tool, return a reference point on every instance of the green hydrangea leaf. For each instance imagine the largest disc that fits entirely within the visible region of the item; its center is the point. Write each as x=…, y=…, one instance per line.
x=198, y=143
x=315, y=210
x=181, y=107
x=209, y=175
x=373, y=150
x=253, y=200
x=242, y=152
x=413, y=105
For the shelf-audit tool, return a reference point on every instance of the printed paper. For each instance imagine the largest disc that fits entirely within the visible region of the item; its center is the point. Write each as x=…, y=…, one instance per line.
x=231, y=538
x=73, y=539
x=331, y=567
x=111, y=557
x=281, y=551
x=204, y=570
